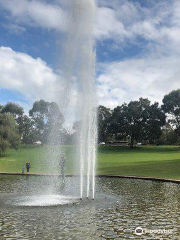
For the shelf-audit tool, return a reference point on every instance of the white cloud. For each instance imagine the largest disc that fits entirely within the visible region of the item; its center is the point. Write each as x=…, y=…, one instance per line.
x=108, y=25
x=153, y=74
x=116, y=20
x=131, y=79
x=118, y=82
x=125, y=22
x=35, y=80
x=31, y=77
x=36, y=13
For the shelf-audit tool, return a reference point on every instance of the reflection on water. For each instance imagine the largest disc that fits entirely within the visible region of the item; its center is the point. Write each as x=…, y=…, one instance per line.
x=120, y=206
x=42, y=200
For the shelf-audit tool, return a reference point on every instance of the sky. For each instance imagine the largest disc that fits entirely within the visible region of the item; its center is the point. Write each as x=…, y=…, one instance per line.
x=137, y=47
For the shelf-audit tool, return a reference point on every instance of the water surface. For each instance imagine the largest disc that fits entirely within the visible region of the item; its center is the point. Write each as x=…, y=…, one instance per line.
x=29, y=211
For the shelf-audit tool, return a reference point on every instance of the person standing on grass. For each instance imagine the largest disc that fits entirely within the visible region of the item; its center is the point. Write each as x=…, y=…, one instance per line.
x=28, y=166
x=63, y=166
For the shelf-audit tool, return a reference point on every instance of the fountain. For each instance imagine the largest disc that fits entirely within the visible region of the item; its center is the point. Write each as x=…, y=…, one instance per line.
x=79, y=59
x=31, y=207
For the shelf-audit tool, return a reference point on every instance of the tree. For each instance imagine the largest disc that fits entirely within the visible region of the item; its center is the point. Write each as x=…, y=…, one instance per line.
x=168, y=137
x=138, y=120
x=47, y=120
x=17, y=111
x=127, y=121
x=154, y=119
x=171, y=106
x=26, y=130
x=13, y=108
x=54, y=126
x=104, y=116
x=1, y=107
x=66, y=137
x=9, y=136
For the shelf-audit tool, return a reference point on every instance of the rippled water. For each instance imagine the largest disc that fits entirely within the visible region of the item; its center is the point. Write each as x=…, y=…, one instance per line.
x=120, y=206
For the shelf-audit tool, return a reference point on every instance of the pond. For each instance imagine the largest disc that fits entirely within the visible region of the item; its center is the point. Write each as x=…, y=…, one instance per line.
x=28, y=210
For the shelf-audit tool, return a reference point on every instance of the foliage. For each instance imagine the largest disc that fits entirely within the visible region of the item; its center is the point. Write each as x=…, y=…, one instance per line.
x=47, y=121
x=26, y=130
x=13, y=108
x=169, y=136
x=136, y=121
x=4, y=145
x=16, y=111
x=9, y=136
x=171, y=106
x=153, y=121
x=104, y=116
x=139, y=120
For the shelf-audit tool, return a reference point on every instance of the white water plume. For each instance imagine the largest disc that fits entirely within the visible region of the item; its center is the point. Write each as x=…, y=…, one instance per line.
x=80, y=63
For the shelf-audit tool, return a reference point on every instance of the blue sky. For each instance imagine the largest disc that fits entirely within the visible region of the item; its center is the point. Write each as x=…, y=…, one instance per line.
x=137, y=46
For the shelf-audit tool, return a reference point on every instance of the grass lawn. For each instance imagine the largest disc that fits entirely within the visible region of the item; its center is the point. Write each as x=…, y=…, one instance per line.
x=151, y=161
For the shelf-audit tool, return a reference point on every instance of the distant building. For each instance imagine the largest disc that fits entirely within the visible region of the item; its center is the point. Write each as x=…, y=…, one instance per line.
x=38, y=143
x=117, y=143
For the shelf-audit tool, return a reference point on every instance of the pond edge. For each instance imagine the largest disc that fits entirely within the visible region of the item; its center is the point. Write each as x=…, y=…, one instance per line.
x=98, y=175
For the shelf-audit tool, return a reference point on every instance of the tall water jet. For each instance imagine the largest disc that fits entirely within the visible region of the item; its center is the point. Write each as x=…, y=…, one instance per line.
x=87, y=100
x=80, y=65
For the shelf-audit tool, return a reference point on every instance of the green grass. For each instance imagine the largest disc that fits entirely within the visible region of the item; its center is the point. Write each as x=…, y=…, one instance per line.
x=39, y=157
x=151, y=161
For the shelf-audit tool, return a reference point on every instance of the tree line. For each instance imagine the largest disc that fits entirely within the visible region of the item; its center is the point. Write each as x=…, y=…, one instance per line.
x=43, y=122
x=142, y=121
x=136, y=121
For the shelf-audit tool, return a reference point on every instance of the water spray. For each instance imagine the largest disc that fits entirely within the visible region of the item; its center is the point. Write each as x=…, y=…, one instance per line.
x=80, y=63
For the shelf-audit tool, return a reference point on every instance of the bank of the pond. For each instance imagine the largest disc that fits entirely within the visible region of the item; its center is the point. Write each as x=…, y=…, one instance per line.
x=98, y=176
x=161, y=162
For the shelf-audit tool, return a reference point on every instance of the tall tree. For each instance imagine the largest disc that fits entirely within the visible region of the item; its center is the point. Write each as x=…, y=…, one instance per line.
x=13, y=108
x=26, y=130
x=47, y=119
x=9, y=136
x=127, y=121
x=154, y=119
x=171, y=106
x=16, y=111
x=104, y=116
x=168, y=137
x=137, y=120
